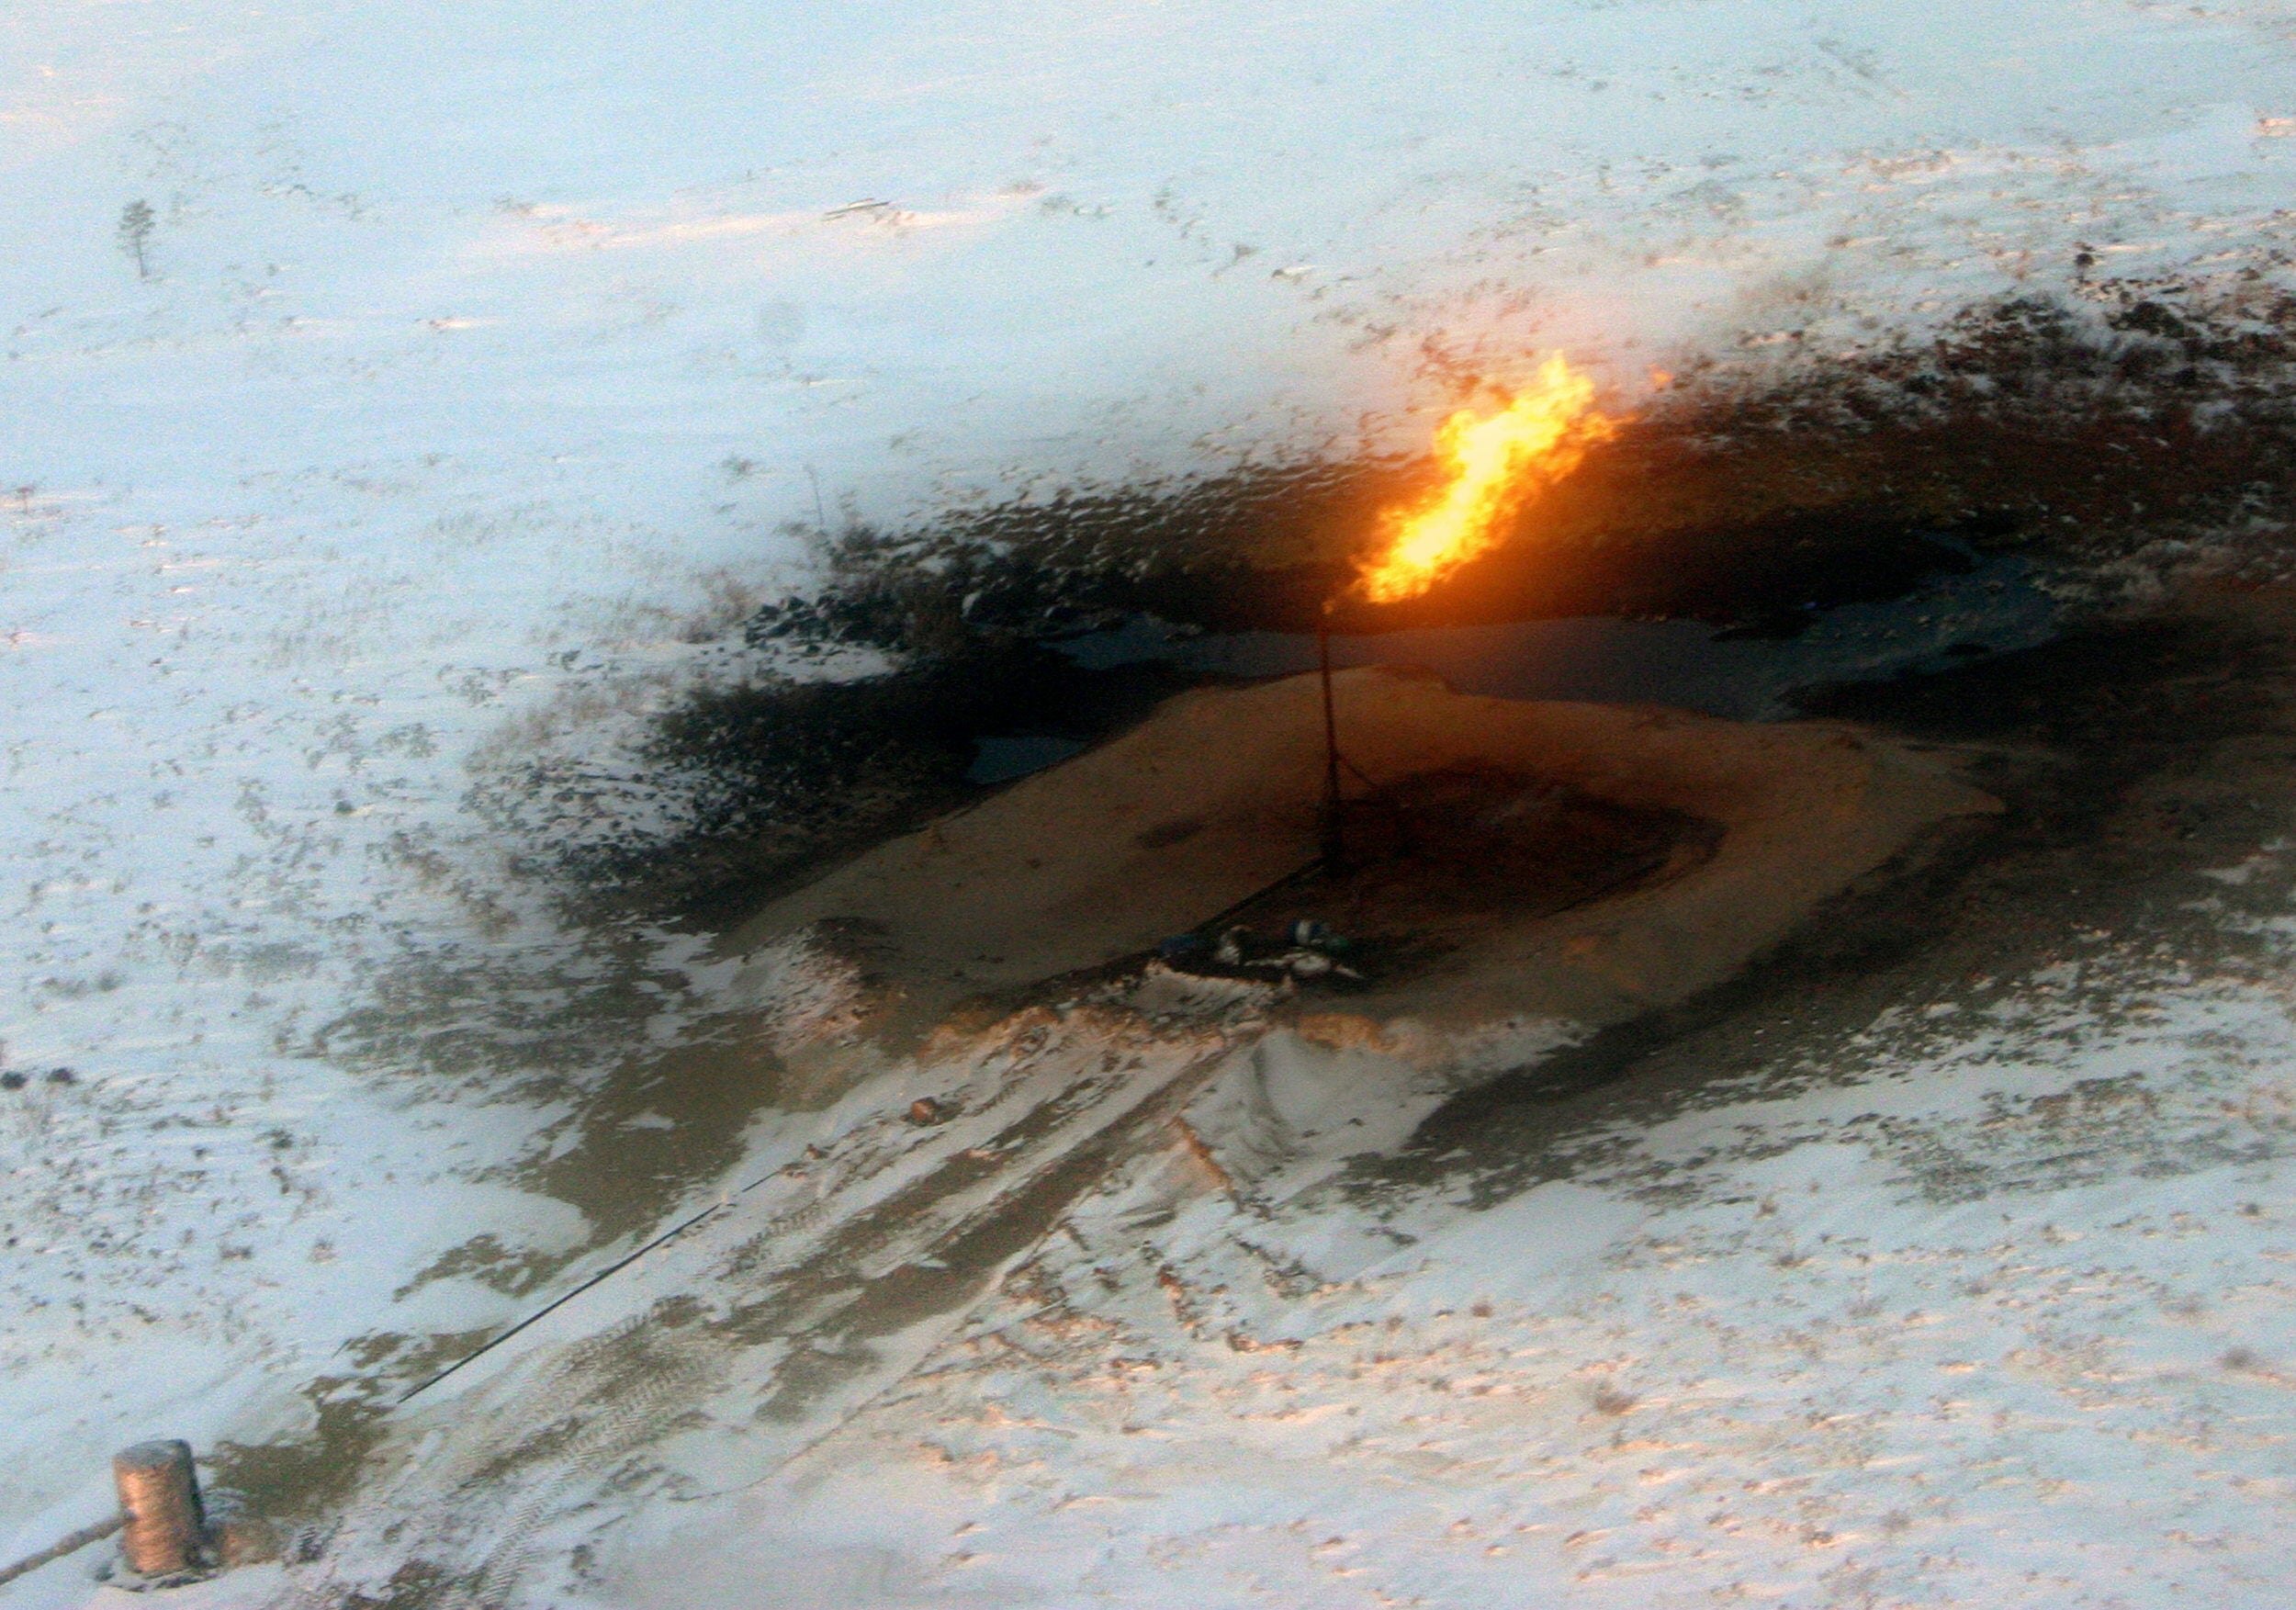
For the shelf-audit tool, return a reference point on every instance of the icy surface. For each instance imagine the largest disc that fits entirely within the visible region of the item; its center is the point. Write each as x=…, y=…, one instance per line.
x=485, y=349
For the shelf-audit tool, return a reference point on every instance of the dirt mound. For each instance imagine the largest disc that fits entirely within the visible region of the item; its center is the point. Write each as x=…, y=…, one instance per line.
x=1215, y=800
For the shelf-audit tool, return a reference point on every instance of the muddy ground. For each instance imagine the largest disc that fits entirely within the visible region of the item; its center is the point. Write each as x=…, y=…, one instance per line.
x=2132, y=756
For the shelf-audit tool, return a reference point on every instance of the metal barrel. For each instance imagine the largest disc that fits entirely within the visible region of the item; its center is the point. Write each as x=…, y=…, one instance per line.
x=162, y=1527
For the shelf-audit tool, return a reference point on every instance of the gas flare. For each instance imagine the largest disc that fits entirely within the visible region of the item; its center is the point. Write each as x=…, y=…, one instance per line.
x=1496, y=463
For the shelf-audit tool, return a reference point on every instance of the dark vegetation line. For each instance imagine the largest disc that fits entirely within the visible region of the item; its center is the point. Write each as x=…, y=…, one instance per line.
x=2112, y=422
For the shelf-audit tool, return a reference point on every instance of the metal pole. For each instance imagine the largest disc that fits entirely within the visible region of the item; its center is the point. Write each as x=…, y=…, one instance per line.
x=1334, y=835
x=164, y=1529
x=70, y=1543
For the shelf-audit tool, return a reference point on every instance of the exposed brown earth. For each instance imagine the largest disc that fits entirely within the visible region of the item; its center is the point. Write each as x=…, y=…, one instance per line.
x=1216, y=799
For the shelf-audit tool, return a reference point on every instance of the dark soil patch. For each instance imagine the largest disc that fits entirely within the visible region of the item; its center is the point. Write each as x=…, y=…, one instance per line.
x=788, y=779
x=2131, y=756
x=2080, y=429
x=1432, y=864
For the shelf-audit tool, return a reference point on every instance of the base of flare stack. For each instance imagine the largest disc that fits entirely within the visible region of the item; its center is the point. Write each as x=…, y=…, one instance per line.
x=1217, y=797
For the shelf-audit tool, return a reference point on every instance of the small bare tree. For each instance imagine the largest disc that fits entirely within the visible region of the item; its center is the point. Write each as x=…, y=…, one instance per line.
x=135, y=231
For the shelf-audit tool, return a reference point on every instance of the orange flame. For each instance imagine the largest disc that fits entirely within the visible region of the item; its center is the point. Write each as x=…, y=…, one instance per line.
x=1496, y=463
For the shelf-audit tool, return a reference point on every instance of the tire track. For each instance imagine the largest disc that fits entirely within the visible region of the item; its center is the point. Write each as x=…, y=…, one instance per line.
x=830, y=1301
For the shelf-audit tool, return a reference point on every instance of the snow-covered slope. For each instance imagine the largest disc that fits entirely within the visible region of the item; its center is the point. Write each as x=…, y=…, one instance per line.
x=486, y=349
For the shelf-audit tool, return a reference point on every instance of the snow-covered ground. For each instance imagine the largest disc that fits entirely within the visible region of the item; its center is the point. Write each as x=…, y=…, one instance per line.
x=1992, y=1312
x=485, y=353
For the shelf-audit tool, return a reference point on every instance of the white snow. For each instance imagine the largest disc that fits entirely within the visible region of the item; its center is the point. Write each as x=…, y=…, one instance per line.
x=485, y=350
x=1951, y=1327
x=1291, y=1112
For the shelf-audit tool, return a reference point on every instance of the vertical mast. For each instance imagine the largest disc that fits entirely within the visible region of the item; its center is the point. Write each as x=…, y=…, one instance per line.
x=1334, y=839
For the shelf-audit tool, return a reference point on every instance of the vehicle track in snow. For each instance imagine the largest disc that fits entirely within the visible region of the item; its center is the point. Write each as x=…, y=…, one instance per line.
x=749, y=1337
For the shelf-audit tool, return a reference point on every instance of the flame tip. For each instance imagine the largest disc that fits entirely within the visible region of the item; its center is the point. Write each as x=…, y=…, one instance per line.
x=1538, y=436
